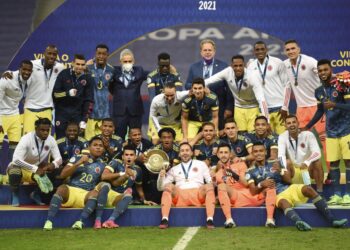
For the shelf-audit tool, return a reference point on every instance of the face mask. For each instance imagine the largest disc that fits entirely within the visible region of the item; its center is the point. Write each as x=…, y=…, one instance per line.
x=208, y=62
x=127, y=67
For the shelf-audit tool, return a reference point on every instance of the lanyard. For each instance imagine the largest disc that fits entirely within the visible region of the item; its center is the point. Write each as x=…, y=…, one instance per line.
x=23, y=88
x=47, y=77
x=100, y=76
x=188, y=170
x=295, y=73
x=261, y=73
x=295, y=149
x=199, y=109
x=239, y=84
x=163, y=82
x=139, y=149
x=37, y=147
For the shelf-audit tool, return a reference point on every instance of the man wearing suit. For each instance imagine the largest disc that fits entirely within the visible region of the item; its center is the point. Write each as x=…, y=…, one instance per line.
x=125, y=88
x=207, y=67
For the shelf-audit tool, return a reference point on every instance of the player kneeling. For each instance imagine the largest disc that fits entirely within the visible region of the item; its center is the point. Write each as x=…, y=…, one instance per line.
x=84, y=172
x=289, y=195
x=189, y=188
x=233, y=188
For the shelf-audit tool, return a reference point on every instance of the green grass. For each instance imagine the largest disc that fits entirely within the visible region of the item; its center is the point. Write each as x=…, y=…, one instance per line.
x=154, y=238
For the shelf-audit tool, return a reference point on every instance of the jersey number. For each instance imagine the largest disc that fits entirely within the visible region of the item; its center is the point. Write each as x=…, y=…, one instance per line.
x=86, y=178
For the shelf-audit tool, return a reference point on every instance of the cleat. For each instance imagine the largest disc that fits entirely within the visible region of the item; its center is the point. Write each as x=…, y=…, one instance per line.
x=302, y=226
x=109, y=224
x=335, y=200
x=210, y=224
x=35, y=196
x=97, y=224
x=47, y=226
x=47, y=182
x=340, y=223
x=229, y=223
x=15, y=200
x=164, y=224
x=42, y=185
x=270, y=223
x=345, y=201
x=78, y=225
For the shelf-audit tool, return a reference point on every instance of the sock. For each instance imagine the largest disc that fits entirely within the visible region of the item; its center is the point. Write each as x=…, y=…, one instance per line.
x=101, y=201
x=11, y=151
x=334, y=175
x=270, y=202
x=15, y=177
x=225, y=203
x=292, y=215
x=347, y=182
x=210, y=203
x=121, y=207
x=166, y=203
x=55, y=205
x=88, y=208
x=321, y=206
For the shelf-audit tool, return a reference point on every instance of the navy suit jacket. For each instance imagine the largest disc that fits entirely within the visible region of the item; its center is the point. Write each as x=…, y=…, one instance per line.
x=220, y=88
x=127, y=99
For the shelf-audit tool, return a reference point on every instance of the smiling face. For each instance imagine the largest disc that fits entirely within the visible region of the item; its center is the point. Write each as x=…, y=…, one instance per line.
x=26, y=71
x=185, y=153
x=50, y=56
x=260, y=51
x=198, y=91
x=107, y=128
x=72, y=132
x=324, y=72
x=259, y=152
x=208, y=132
x=238, y=67
x=292, y=125
x=292, y=51
x=261, y=127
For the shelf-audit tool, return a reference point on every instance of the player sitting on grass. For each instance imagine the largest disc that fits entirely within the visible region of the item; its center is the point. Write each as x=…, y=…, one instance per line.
x=189, y=189
x=122, y=175
x=84, y=171
x=233, y=188
x=266, y=174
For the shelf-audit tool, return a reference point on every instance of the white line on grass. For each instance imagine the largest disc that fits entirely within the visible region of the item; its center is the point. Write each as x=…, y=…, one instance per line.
x=186, y=238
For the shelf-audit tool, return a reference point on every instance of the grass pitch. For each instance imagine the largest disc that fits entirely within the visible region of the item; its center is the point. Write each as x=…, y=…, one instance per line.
x=154, y=238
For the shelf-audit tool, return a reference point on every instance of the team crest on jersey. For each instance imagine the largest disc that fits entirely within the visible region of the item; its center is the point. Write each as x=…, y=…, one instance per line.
x=77, y=151
x=72, y=160
x=90, y=161
x=108, y=76
x=238, y=150
x=83, y=82
x=46, y=148
x=269, y=67
x=56, y=71
x=302, y=145
x=97, y=170
x=303, y=67
x=58, y=123
x=195, y=169
x=247, y=176
x=335, y=94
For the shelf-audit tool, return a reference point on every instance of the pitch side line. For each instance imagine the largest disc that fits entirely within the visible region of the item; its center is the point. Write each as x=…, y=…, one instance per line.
x=186, y=238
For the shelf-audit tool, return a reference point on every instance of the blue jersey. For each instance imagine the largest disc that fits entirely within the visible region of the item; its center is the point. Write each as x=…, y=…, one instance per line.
x=200, y=110
x=258, y=174
x=102, y=77
x=117, y=166
x=87, y=175
x=270, y=142
x=70, y=148
x=337, y=120
x=239, y=147
x=156, y=82
x=207, y=152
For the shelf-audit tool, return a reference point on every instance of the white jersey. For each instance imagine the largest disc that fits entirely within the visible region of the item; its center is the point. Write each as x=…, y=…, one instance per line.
x=162, y=113
x=276, y=79
x=31, y=151
x=11, y=93
x=246, y=93
x=307, y=81
x=303, y=150
x=198, y=172
x=39, y=93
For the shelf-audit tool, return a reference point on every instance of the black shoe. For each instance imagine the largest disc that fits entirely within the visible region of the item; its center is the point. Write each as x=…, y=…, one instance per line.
x=164, y=224
x=210, y=224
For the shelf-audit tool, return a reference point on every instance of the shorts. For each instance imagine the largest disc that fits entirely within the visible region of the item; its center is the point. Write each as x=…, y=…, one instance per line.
x=12, y=127
x=245, y=199
x=293, y=195
x=76, y=198
x=338, y=148
x=92, y=128
x=305, y=114
x=29, y=118
x=153, y=133
x=276, y=125
x=245, y=118
x=188, y=197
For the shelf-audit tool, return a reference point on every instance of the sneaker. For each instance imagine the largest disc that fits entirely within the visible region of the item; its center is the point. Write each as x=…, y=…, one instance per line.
x=47, y=226
x=302, y=226
x=270, y=223
x=109, y=224
x=340, y=223
x=164, y=224
x=229, y=223
x=42, y=185
x=98, y=224
x=78, y=225
x=35, y=196
x=345, y=201
x=334, y=200
x=210, y=224
x=15, y=200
